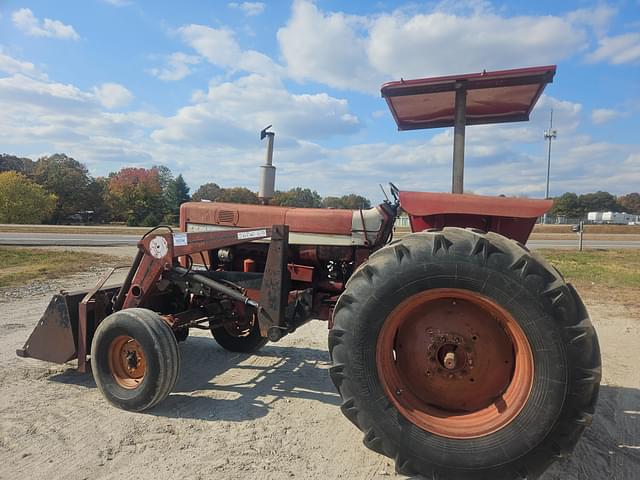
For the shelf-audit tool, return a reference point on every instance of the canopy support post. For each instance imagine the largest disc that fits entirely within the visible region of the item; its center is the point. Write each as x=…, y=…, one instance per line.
x=458, y=137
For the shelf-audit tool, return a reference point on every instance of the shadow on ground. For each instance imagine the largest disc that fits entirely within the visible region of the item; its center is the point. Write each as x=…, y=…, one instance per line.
x=610, y=447
x=219, y=385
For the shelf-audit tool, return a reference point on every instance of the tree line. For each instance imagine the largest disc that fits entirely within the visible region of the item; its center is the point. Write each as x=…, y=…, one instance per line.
x=572, y=205
x=296, y=197
x=58, y=189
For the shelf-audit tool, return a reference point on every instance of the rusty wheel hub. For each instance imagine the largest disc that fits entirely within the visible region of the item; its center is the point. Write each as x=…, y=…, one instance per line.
x=127, y=362
x=241, y=322
x=454, y=363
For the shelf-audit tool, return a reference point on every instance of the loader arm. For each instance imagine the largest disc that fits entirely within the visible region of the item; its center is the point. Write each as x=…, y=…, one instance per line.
x=162, y=252
x=67, y=326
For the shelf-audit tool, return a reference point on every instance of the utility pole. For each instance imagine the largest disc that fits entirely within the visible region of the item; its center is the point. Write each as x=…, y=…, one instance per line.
x=549, y=135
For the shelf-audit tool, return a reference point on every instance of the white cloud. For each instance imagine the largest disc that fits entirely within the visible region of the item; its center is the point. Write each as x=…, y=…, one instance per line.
x=508, y=170
x=633, y=160
x=604, y=115
x=26, y=21
x=439, y=43
x=588, y=165
x=617, y=49
x=566, y=116
x=232, y=113
x=40, y=116
x=250, y=9
x=597, y=18
x=19, y=90
x=360, y=52
x=326, y=48
x=11, y=65
x=178, y=66
x=113, y=95
x=219, y=47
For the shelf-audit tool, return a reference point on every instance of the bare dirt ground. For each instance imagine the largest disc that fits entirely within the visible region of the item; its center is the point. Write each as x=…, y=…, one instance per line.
x=273, y=415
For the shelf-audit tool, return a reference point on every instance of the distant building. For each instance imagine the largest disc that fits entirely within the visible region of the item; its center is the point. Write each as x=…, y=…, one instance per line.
x=616, y=218
x=402, y=221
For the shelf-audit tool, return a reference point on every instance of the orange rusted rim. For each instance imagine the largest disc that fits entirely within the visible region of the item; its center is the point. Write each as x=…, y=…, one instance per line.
x=454, y=363
x=127, y=362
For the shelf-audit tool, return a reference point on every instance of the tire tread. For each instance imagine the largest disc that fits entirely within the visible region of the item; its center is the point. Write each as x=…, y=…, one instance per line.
x=563, y=301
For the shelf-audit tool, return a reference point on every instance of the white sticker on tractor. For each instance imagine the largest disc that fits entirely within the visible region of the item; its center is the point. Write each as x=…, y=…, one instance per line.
x=158, y=247
x=252, y=234
x=179, y=239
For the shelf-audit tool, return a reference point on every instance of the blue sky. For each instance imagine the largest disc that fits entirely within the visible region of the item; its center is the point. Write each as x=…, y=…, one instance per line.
x=189, y=85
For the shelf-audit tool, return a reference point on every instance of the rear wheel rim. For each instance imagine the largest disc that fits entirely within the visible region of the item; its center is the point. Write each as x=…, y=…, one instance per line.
x=454, y=363
x=127, y=362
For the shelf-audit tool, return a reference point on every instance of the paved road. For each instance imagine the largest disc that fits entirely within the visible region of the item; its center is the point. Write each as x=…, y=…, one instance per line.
x=67, y=239
x=604, y=244
x=97, y=240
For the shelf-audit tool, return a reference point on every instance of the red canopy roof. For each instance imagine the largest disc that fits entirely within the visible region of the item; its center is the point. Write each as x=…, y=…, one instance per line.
x=492, y=97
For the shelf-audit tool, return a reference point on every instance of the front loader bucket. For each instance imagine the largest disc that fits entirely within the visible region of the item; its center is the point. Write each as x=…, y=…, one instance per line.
x=54, y=338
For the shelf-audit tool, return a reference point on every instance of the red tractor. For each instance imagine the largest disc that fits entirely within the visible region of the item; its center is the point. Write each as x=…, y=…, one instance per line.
x=457, y=351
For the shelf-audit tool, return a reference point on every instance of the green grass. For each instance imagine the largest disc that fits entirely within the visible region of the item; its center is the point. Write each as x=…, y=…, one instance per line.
x=610, y=268
x=19, y=266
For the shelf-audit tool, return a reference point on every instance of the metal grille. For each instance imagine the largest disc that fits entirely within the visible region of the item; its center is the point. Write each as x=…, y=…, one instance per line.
x=227, y=216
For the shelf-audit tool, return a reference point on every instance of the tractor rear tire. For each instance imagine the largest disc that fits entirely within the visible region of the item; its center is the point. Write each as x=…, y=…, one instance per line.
x=462, y=355
x=134, y=359
x=239, y=340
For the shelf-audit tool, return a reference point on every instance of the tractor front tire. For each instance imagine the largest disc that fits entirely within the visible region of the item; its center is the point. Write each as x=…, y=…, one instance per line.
x=462, y=355
x=239, y=338
x=134, y=359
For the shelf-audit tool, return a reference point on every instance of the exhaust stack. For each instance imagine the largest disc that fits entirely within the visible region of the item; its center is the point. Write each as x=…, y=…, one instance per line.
x=267, y=171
